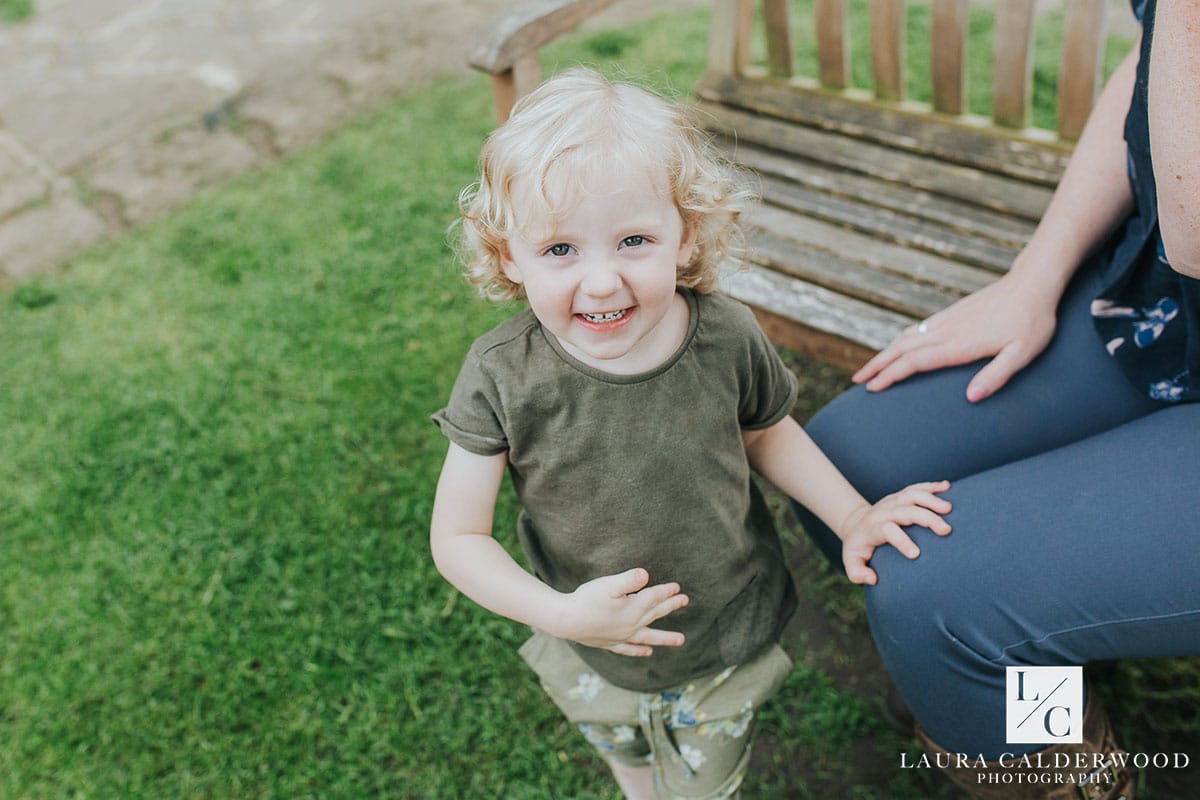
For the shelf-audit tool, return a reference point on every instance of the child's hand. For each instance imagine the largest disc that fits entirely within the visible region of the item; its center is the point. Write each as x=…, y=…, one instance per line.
x=614, y=613
x=870, y=526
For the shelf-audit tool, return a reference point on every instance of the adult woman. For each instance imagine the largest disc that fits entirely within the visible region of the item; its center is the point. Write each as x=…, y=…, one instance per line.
x=1060, y=403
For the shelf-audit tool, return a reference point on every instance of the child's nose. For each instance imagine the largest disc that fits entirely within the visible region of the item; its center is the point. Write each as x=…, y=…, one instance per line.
x=601, y=280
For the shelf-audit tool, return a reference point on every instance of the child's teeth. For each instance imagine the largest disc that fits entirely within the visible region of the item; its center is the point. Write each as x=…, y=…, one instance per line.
x=609, y=317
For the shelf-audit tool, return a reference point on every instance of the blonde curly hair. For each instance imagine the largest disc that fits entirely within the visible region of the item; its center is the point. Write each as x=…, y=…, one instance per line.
x=578, y=126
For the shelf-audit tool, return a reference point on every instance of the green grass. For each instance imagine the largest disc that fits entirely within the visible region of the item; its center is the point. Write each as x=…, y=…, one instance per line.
x=217, y=477
x=15, y=10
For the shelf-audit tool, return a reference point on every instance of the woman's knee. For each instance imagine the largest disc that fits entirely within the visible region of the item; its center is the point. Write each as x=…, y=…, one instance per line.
x=927, y=616
x=904, y=608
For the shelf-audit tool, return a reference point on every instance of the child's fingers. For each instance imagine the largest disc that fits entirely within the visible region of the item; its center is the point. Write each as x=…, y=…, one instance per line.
x=857, y=570
x=655, y=638
x=629, y=581
x=915, y=515
x=653, y=595
x=925, y=494
x=630, y=649
x=900, y=540
x=664, y=607
x=931, y=486
x=927, y=499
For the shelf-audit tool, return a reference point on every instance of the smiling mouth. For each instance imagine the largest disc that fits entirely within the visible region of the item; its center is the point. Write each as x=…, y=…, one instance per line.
x=608, y=316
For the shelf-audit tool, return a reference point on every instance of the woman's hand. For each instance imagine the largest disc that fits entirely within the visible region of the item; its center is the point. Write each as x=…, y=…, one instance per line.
x=1012, y=320
x=1009, y=321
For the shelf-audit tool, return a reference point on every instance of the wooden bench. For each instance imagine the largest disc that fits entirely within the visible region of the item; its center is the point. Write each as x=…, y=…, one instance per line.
x=876, y=211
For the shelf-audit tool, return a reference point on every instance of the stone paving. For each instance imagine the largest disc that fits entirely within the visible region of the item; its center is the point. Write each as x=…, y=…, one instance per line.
x=115, y=111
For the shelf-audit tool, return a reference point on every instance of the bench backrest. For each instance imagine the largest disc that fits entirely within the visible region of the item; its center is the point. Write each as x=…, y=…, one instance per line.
x=1012, y=77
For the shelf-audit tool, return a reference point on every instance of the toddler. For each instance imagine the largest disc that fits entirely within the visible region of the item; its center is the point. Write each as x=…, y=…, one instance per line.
x=630, y=403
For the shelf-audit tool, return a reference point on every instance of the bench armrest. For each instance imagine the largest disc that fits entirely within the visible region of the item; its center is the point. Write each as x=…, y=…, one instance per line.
x=507, y=49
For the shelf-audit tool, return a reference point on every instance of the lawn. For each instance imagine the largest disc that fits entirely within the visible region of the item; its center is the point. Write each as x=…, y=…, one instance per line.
x=216, y=488
x=15, y=10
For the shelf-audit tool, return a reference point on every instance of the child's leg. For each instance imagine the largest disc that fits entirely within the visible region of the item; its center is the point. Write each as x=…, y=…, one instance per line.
x=625, y=749
x=706, y=762
x=606, y=715
x=637, y=783
x=701, y=734
x=689, y=742
x=658, y=761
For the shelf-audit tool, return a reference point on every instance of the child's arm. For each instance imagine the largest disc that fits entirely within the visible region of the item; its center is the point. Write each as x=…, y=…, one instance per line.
x=785, y=455
x=613, y=612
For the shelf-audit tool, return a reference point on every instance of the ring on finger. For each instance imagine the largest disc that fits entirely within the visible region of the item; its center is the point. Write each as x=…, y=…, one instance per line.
x=923, y=326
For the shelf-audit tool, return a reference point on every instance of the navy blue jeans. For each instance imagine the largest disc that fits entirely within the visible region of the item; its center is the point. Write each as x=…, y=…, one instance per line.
x=1076, y=525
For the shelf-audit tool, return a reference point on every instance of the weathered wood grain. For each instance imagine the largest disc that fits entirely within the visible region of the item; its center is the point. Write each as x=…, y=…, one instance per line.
x=777, y=21
x=847, y=277
x=729, y=37
x=887, y=48
x=948, y=56
x=525, y=29
x=511, y=85
x=887, y=225
x=820, y=345
x=1082, y=63
x=833, y=55
x=997, y=192
x=829, y=312
x=1012, y=65
x=954, y=215
x=1024, y=156
x=876, y=254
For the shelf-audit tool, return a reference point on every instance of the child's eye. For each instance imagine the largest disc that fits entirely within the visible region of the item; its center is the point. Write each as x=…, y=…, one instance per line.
x=633, y=241
x=559, y=250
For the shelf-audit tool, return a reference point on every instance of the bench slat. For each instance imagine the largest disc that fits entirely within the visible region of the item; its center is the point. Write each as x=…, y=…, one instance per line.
x=849, y=278
x=1082, y=64
x=951, y=139
x=967, y=218
x=948, y=55
x=914, y=265
x=1012, y=66
x=777, y=18
x=853, y=320
x=832, y=53
x=729, y=36
x=907, y=169
x=882, y=223
x=887, y=48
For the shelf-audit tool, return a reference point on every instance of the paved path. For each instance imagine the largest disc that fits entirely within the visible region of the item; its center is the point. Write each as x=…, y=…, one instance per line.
x=115, y=111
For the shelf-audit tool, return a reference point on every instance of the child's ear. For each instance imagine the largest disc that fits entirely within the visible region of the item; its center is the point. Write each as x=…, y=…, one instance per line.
x=508, y=266
x=687, y=245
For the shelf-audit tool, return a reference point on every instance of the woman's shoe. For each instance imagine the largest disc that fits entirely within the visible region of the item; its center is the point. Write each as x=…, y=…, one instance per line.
x=1094, y=769
x=896, y=713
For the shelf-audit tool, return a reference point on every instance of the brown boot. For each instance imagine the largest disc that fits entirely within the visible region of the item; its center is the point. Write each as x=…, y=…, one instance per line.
x=1094, y=769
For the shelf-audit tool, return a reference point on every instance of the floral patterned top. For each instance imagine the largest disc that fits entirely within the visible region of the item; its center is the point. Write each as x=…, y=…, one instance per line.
x=1148, y=315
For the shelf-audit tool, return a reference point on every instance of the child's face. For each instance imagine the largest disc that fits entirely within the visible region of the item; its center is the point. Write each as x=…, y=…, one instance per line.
x=603, y=281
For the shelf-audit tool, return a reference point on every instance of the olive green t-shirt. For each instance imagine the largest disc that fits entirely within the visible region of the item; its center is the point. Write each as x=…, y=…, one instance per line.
x=648, y=470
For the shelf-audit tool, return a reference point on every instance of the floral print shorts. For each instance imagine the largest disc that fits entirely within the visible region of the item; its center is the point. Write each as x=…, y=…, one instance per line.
x=696, y=736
